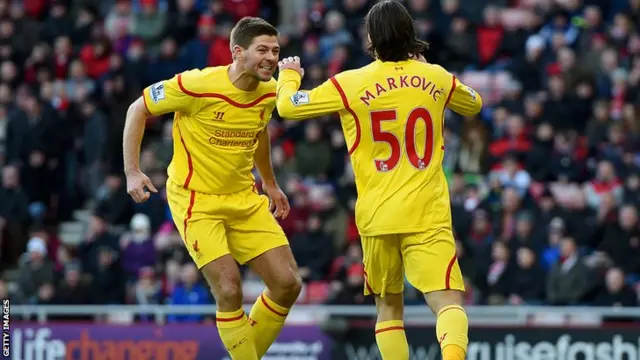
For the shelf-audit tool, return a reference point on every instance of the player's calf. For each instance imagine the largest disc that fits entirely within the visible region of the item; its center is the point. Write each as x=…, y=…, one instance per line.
x=390, y=334
x=225, y=281
x=452, y=325
x=279, y=271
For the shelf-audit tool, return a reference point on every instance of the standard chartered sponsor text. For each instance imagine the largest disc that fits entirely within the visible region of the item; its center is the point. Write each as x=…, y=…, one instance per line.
x=234, y=138
x=511, y=348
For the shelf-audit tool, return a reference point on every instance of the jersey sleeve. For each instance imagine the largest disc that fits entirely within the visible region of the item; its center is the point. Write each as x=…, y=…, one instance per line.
x=172, y=95
x=463, y=99
x=297, y=104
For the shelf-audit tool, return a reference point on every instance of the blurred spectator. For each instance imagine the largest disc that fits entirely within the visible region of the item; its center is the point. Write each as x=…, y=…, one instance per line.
x=190, y=291
x=605, y=182
x=113, y=202
x=500, y=275
x=137, y=246
x=14, y=215
x=97, y=236
x=149, y=24
x=570, y=280
x=147, y=288
x=621, y=240
x=511, y=176
x=107, y=285
x=528, y=279
x=313, y=250
x=72, y=290
x=616, y=292
x=36, y=269
x=348, y=278
x=313, y=157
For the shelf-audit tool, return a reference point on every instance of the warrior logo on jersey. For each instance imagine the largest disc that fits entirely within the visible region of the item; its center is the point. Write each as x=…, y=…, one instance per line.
x=157, y=92
x=300, y=98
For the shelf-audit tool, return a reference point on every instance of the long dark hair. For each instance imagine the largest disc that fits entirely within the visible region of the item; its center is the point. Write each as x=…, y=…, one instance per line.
x=392, y=32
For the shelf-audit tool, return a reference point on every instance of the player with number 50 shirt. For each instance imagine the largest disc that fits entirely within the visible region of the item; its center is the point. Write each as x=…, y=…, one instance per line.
x=392, y=115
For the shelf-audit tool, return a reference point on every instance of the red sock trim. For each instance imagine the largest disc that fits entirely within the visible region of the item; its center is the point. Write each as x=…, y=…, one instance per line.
x=266, y=304
x=390, y=328
x=235, y=318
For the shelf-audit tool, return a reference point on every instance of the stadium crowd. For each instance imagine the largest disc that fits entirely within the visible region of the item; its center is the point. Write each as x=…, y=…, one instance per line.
x=545, y=183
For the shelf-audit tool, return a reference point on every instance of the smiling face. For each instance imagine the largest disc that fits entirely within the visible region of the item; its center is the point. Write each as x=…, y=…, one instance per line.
x=254, y=45
x=260, y=58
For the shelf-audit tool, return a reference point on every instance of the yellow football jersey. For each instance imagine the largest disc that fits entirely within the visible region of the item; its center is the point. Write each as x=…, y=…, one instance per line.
x=392, y=115
x=215, y=127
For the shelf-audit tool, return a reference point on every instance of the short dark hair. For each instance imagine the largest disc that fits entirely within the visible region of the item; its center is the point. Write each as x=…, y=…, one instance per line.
x=392, y=32
x=249, y=28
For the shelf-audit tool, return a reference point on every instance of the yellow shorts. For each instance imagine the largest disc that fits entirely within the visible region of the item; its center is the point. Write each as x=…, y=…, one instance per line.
x=427, y=258
x=212, y=226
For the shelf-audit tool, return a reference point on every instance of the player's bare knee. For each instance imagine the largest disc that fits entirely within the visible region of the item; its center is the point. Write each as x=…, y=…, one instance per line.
x=228, y=296
x=390, y=307
x=439, y=299
x=287, y=289
x=225, y=281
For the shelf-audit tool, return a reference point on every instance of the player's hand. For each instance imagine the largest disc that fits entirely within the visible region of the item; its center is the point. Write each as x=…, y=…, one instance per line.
x=278, y=202
x=292, y=63
x=137, y=181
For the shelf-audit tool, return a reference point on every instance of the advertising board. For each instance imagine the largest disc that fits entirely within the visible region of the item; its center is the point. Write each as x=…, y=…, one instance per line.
x=506, y=344
x=137, y=342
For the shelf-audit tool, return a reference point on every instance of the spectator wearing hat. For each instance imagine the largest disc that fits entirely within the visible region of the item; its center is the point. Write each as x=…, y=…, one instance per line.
x=36, y=269
x=137, y=247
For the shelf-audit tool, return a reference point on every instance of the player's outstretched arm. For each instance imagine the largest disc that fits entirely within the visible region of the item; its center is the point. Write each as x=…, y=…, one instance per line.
x=295, y=104
x=136, y=119
x=464, y=100
x=160, y=98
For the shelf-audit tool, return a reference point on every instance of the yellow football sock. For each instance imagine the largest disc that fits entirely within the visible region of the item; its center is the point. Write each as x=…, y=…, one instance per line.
x=452, y=329
x=392, y=340
x=266, y=319
x=236, y=334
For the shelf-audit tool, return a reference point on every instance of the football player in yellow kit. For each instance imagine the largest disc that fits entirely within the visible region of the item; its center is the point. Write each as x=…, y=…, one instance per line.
x=220, y=133
x=392, y=115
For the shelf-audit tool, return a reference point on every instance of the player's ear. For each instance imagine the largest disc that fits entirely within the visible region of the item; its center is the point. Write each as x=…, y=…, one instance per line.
x=237, y=52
